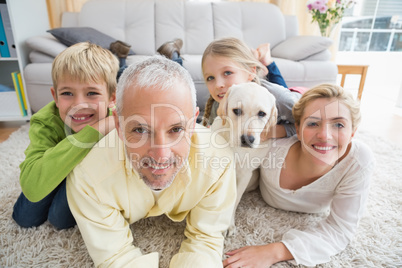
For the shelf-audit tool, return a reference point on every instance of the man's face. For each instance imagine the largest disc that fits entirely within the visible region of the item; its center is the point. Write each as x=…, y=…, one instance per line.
x=156, y=127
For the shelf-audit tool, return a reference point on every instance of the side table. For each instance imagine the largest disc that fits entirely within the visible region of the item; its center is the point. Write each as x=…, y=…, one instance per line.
x=354, y=69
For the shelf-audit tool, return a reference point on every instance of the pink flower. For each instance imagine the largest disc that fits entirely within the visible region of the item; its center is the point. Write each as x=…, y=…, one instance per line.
x=310, y=6
x=323, y=9
x=318, y=4
x=321, y=2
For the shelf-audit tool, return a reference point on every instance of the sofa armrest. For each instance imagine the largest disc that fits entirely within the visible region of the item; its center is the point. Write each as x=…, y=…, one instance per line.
x=39, y=57
x=301, y=47
x=46, y=44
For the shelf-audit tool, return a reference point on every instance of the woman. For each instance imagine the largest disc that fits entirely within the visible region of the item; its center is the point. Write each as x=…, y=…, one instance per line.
x=321, y=170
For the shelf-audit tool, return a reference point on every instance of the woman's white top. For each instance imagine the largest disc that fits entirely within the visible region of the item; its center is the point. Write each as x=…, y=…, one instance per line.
x=342, y=192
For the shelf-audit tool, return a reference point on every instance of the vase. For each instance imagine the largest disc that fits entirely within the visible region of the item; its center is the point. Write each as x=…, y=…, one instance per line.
x=328, y=30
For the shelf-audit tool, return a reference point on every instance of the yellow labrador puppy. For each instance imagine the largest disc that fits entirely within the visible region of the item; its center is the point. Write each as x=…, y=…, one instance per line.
x=246, y=112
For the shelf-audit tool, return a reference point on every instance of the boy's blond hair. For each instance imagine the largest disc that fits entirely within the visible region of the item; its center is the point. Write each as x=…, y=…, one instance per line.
x=328, y=91
x=86, y=62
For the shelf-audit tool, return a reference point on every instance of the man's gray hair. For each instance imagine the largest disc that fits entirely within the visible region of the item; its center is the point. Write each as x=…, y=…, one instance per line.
x=157, y=72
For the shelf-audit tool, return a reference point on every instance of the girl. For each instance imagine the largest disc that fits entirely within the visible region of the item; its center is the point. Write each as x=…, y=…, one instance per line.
x=230, y=61
x=322, y=170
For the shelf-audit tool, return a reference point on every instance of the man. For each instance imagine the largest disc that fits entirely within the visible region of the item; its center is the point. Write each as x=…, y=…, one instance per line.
x=160, y=164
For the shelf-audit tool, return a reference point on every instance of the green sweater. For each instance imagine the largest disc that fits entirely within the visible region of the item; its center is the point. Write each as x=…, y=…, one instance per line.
x=53, y=152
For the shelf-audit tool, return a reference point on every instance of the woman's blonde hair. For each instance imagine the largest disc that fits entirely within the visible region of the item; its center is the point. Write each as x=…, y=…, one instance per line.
x=328, y=91
x=237, y=51
x=86, y=62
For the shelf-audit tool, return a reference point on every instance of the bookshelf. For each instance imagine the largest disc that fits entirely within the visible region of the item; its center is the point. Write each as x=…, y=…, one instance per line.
x=28, y=18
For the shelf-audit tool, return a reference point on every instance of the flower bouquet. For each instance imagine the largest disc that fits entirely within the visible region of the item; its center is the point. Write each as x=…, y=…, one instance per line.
x=327, y=13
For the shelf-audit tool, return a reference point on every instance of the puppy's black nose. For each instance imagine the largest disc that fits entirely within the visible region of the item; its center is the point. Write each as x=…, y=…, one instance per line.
x=246, y=140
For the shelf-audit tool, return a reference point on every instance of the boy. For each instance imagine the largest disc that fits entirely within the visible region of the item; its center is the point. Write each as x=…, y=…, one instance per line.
x=64, y=131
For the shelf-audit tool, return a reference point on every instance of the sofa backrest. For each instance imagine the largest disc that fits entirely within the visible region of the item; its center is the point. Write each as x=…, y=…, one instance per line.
x=146, y=24
x=190, y=21
x=253, y=22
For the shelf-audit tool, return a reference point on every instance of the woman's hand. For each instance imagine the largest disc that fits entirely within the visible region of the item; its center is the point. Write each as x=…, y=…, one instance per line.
x=257, y=256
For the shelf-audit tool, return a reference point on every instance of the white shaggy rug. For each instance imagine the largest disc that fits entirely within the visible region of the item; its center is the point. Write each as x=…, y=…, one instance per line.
x=378, y=242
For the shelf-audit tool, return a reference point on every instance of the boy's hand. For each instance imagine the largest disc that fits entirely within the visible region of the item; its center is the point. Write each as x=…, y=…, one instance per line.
x=104, y=125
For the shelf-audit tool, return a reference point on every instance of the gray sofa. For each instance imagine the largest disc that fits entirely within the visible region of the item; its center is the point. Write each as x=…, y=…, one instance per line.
x=146, y=24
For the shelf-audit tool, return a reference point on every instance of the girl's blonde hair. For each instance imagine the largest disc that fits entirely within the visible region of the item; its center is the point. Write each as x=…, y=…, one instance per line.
x=86, y=62
x=237, y=51
x=328, y=91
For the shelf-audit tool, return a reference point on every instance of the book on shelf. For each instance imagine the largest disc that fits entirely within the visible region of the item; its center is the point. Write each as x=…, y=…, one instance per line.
x=19, y=91
x=24, y=99
x=4, y=52
x=5, y=17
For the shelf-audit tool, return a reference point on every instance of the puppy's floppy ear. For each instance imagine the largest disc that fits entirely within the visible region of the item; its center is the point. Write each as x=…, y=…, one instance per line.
x=273, y=119
x=223, y=107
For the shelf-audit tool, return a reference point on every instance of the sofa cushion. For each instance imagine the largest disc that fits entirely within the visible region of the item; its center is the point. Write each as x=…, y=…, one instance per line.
x=72, y=35
x=307, y=73
x=300, y=47
x=324, y=55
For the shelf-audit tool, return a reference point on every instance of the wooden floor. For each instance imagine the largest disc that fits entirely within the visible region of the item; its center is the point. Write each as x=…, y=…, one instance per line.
x=8, y=127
